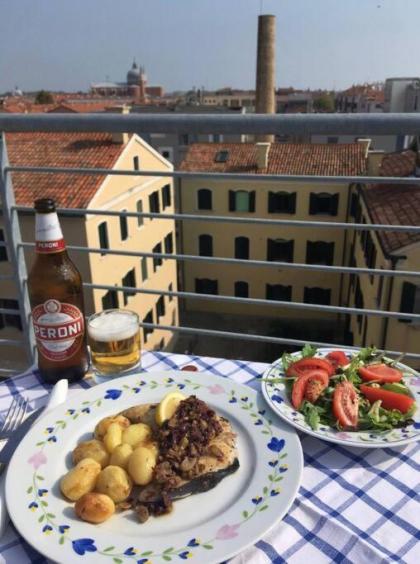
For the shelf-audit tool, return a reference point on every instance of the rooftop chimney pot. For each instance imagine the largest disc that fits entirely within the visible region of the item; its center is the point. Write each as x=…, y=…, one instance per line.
x=263, y=149
x=120, y=138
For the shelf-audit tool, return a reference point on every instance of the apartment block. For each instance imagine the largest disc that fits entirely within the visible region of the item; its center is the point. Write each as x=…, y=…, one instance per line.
x=267, y=199
x=388, y=204
x=107, y=193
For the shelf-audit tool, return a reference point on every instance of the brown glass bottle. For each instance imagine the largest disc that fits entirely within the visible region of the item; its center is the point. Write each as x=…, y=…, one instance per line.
x=56, y=296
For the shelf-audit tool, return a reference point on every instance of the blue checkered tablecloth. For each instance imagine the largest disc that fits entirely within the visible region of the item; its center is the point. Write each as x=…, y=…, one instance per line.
x=354, y=505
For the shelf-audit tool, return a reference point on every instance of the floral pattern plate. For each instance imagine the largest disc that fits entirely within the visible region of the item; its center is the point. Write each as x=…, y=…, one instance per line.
x=277, y=398
x=209, y=527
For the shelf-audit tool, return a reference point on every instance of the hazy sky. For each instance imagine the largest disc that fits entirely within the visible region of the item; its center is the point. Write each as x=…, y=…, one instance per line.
x=67, y=44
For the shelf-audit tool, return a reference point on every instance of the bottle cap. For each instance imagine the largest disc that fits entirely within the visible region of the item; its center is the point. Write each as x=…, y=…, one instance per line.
x=44, y=205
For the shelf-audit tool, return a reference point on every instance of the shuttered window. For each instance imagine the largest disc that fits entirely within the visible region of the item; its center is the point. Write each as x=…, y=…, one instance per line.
x=281, y=202
x=241, y=289
x=278, y=292
x=319, y=252
x=410, y=300
x=280, y=250
x=315, y=295
x=323, y=203
x=205, y=245
x=241, y=201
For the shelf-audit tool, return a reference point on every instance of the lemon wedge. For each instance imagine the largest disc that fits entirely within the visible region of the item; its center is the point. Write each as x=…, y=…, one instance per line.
x=168, y=406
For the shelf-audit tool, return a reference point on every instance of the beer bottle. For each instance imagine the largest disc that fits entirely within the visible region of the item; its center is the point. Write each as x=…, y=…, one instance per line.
x=55, y=293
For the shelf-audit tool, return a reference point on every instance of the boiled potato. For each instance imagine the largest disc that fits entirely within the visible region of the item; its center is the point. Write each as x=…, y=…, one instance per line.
x=153, y=447
x=136, y=434
x=113, y=437
x=94, y=507
x=91, y=449
x=141, y=465
x=103, y=425
x=115, y=482
x=81, y=479
x=120, y=455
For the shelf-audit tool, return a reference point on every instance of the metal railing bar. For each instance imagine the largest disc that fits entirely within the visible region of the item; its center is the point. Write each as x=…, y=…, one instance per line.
x=261, y=338
x=7, y=311
x=233, y=219
x=234, y=176
x=13, y=342
x=243, y=262
x=258, y=301
x=343, y=124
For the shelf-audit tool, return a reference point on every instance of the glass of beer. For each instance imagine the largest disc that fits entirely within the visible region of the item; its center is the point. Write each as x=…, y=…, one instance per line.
x=114, y=339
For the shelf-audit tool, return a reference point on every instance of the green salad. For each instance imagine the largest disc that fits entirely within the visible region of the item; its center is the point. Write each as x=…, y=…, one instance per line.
x=364, y=391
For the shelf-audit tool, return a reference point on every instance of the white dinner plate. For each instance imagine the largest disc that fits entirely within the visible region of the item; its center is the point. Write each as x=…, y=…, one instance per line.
x=279, y=401
x=208, y=527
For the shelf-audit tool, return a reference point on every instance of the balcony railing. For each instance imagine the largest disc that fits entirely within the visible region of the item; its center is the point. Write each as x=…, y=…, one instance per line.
x=360, y=125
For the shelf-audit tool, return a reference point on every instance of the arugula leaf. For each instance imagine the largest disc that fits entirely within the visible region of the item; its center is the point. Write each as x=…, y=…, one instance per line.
x=312, y=414
x=308, y=350
x=286, y=360
x=367, y=353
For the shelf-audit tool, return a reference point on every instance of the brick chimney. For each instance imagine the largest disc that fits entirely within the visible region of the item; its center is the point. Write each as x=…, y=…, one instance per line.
x=265, y=102
x=262, y=155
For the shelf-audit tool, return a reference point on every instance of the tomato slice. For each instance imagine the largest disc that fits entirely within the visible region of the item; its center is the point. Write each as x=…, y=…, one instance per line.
x=346, y=404
x=337, y=358
x=381, y=373
x=304, y=365
x=299, y=387
x=390, y=400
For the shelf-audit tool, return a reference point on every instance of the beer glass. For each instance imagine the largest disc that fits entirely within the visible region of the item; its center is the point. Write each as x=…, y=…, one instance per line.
x=114, y=339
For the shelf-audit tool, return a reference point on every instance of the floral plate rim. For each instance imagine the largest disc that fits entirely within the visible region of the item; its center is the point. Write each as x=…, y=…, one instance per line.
x=278, y=401
x=51, y=534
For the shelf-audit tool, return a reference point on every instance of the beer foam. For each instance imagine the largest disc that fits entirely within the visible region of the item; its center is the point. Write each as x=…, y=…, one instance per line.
x=113, y=326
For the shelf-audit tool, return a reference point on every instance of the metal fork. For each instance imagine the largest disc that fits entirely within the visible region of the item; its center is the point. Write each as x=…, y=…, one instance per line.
x=14, y=417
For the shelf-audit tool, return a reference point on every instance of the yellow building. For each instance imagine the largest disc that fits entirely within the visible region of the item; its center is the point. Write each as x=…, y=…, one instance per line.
x=387, y=204
x=269, y=199
x=99, y=192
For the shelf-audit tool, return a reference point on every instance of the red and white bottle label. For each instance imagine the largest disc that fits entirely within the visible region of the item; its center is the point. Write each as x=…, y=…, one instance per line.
x=45, y=247
x=59, y=329
x=48, y=234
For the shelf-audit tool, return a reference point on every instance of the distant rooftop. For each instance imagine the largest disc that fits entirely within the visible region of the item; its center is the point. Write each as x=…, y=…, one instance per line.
x=91, y=150
x=395, y=203
x=283, y=158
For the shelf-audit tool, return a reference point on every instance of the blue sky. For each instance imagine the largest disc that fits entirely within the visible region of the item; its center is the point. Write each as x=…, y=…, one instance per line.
x=66, y=44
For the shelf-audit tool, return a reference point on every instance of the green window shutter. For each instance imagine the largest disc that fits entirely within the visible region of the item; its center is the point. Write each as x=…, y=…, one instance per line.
x=242, y=201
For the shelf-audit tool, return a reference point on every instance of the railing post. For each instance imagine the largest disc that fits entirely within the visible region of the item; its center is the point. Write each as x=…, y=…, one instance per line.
x=15, y=249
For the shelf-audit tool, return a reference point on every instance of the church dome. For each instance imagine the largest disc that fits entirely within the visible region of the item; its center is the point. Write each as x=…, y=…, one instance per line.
x=133, y=74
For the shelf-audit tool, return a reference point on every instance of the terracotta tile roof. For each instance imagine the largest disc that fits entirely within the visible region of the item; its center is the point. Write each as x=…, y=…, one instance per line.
x=82, y=107
x=283, y=158
x=60, y=150
x=394, y=204
x=398, y=164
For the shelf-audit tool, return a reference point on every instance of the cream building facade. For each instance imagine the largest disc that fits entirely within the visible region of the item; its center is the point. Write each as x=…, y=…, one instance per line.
x=108, y=193
x=399, y=205
x=264, y=199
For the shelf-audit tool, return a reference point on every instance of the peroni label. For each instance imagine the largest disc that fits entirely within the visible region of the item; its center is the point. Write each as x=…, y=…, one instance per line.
x=59, y=329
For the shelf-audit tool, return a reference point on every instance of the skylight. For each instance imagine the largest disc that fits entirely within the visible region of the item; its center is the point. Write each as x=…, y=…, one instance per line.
x=222, y=156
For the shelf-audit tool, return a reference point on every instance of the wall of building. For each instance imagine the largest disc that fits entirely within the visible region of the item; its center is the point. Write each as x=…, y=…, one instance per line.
x=383, y=294
x=123, y=193
x=117, y=193
x=257, y=277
